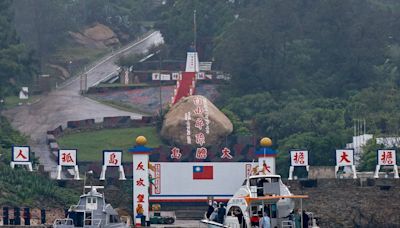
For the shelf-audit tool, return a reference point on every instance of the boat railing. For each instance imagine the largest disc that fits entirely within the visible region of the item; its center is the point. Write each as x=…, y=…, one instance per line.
x=66, y=221
x=287, y=223
x=117, y=225
x=93, y=222
x=84, y=208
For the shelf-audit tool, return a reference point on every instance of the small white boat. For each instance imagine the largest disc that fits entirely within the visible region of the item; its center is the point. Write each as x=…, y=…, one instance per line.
x=91, y=211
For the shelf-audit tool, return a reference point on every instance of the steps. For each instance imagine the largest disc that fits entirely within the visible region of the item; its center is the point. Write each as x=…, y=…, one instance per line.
x=187, y=212
x=185, y=86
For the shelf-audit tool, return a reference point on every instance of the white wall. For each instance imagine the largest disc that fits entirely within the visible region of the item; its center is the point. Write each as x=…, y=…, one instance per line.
x=177, y=178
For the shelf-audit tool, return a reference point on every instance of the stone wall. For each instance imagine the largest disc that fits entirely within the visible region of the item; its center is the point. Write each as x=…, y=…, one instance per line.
x=351, y=203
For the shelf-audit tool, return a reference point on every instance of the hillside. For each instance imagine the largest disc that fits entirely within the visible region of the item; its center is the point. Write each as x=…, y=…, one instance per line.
x=302, y=73
x=22, y=188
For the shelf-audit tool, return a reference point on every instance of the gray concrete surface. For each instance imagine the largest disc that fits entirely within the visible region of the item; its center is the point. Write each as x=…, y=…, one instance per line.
x=66, y=103
x=182, y=224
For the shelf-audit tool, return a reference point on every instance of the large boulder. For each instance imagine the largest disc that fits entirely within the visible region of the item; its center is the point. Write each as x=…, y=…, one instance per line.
x=99, y=32
x=194, y=120
x=98, y=36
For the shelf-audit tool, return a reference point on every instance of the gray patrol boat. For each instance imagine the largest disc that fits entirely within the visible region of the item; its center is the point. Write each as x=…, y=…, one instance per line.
x=91, y=211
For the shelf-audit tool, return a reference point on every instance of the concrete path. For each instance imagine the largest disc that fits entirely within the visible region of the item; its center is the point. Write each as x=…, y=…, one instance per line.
x=182, y=224
x=65, y=103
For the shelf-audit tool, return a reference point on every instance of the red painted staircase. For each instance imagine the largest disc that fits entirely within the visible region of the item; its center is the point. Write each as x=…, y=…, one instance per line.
x=185, y=86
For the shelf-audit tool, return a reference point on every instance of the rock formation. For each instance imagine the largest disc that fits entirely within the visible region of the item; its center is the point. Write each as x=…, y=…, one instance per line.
x=195, y=121
x=98, y=36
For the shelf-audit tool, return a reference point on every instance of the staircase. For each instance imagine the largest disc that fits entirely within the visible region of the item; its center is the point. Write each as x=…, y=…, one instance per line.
x=185, y=86
x=187, y=212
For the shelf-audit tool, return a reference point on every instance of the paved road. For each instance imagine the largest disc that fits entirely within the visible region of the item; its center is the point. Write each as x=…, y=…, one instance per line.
x=65, y=103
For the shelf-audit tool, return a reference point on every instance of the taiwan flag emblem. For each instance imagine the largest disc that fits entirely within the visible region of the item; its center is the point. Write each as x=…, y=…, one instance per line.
x=203, y=172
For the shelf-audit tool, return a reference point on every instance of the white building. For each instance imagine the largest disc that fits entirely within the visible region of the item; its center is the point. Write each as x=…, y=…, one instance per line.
x=357, y=144
x=361, y=140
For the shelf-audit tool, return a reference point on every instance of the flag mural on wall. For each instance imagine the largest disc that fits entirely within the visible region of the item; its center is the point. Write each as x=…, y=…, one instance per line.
x=203, y=172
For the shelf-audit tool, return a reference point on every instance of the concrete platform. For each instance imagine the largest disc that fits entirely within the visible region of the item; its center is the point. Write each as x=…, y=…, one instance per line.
x=182, y=224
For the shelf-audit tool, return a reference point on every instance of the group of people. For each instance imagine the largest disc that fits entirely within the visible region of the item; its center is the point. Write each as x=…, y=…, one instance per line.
x=297, y=218
x=216, y=212
x=261, y=220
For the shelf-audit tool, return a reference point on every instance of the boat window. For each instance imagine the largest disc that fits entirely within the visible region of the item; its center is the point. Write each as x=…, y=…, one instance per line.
x=89, y=200
x=113, y=219
x=88, y=218
x=253, y=182
x=244, y=182
x=274, y=180
x=94, y=200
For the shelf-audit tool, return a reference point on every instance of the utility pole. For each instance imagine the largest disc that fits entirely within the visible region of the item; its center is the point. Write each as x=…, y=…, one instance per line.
x=160, y=84
x=194, y=29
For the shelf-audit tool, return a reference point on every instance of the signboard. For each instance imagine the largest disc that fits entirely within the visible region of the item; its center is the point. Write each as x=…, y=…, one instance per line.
x=20, y=154
x=345, y=157
x=165, y=77
x=141, y=185
x=200, y=76
x=155, y=76
x=67, y=157
x=24, y=94
x=386, y=157
x=205, y=66
x=299, y=158
x=175, y=76
x=112, y=158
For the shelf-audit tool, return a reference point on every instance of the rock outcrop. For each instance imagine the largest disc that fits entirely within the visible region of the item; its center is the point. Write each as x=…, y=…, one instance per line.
x=194, y=120
x=98, y=36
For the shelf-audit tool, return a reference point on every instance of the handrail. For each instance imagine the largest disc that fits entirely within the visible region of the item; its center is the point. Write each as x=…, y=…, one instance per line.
x=287, y=223
x=66, y=221
x=93, y=222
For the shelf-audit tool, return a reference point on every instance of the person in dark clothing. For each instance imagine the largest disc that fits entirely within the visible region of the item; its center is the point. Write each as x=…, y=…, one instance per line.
x=221, y=213
x=305, y=219
x=210, y=209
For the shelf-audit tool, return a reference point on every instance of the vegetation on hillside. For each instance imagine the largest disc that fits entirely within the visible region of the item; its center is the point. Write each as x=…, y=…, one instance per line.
x=22, y=188
x=302, y=72
x=17, y=65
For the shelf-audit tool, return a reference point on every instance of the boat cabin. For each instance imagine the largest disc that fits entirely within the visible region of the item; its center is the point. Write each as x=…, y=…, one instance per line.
x=91, y=211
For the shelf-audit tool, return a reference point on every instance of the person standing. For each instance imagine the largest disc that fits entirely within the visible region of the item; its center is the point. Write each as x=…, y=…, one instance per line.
x=265, y=221
x=210, y=209
x=305, y=219
x=221, y=213
x=297, y=218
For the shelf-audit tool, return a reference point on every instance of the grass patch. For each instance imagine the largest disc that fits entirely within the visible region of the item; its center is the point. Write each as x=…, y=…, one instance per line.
x=119, y=105
x=13, y=101
x=117, y=85
x=77, y=53
x=90, y=145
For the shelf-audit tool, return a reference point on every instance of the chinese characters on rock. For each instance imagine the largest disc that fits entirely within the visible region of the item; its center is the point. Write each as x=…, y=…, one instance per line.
x=176, y=153
x=201, y=123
